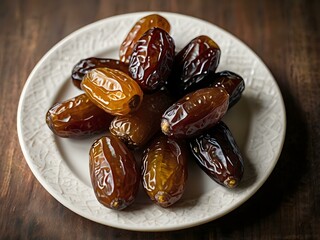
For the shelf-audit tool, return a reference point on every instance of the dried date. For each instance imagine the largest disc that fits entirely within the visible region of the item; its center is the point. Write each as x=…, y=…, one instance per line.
x=152, y=58
x=199, y=57
x=195, y=112
x=77, y=117
x=164, y=171
x=140, y=27
x=113, y=172
x=219, y=156
x=137, y=128
x=112, y=90
x=231, y=82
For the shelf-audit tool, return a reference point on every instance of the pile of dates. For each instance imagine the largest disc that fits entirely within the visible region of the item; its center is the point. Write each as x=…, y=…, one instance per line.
x=168, y=104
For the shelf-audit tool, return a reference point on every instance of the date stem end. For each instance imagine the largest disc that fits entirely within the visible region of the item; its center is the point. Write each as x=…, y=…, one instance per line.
x=165, y=127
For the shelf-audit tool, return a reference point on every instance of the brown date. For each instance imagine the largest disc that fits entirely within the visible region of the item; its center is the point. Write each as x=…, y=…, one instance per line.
x=199, y=57
x=231, y=82
x=152, y=58
x=195, y=112
x=219, y=156
x=140, y=27
x=112, y=90
x=77, y=117
x=164, y=171
x=137, y=128
x=85, y=65
x=114, y=173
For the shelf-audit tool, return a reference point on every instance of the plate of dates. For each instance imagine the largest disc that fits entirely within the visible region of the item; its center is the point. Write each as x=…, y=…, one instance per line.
x=151, y=122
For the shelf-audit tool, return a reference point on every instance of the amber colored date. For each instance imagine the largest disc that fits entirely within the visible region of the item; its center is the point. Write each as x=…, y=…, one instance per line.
x=152, y=58
x=164, y=171
x=85, y=65
x=77, y=117
x=199, y=57
x=114, y=173
x=195, y=112
x=112, y=90
x=140, y=27
x=137, y=128
x=219, y=156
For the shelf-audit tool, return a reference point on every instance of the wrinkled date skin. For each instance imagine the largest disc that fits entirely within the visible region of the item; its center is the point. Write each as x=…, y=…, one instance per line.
x=143, y=25
x=137, y=128
x=199, y=57
x=195, y=112
x=231, y=82
x=77, y=117
x=85, y=65
x=152, y=58
x=112, y=90
x=164, y=171
x=114, y=173
x=219, y=156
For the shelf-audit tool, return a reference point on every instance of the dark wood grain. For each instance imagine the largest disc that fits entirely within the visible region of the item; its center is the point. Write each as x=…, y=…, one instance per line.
x=285, y=34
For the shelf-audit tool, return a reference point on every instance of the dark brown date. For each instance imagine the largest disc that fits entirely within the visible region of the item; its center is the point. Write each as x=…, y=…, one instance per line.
x=164, y=171
x=85, y=65
x=137, y=128
x=140, y=27
x=219, y=156
x=231, y=82
x=199, y=57
x=195, y=112
x=77, y=117
x=151, y=60
x=114, y=173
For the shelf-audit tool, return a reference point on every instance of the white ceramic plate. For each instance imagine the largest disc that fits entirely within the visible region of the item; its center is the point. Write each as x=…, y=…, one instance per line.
x=61, y=165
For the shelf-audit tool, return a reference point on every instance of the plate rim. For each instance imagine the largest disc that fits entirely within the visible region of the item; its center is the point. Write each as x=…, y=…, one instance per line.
x=67, y=204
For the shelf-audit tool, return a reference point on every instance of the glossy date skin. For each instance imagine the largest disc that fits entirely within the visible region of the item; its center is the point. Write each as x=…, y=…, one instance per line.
x=218, y=155
x=140, y=27
x=113, y=172
x=137, y=128
x=152, y=59
x=85, y=65
x=113, y=91
x=231, y=82
x=77, y=117
x=195, y=112
x=164, y=171
x=199, y=57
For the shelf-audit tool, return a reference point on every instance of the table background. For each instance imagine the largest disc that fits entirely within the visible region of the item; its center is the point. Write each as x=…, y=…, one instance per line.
x=285, y=34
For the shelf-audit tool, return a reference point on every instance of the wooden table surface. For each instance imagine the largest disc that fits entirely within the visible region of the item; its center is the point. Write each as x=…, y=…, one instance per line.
x=285, y=34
